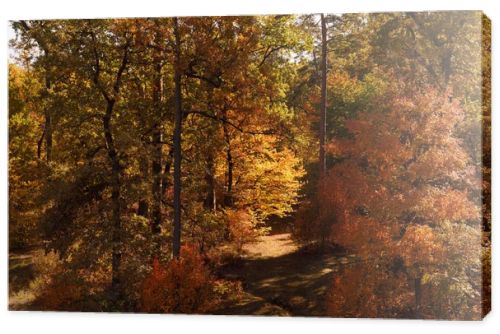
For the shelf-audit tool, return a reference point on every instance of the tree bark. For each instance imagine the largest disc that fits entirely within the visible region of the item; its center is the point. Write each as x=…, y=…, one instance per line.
x=157, y=143
x=115, y=202
x=39, y=144
x=165, y=182
x=176, y=242
x=48, y=121
x=144, y=168
x=116, y=224
x=47, y=131
x=322, y=123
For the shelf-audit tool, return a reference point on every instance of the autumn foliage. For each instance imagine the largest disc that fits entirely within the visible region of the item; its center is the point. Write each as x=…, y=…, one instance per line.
x=183, y=285
x=362, y=139
x=63, y=293
x=405, y=197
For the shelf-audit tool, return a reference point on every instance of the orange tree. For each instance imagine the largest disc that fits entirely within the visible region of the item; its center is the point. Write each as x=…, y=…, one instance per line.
x=406, y=198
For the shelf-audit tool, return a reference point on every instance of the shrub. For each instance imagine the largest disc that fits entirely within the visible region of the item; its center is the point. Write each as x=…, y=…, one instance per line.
x=64, y=293
x=242, y=228
x=184, y=285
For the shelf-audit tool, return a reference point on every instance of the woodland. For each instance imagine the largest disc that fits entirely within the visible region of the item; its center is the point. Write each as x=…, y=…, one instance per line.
x=295, y=165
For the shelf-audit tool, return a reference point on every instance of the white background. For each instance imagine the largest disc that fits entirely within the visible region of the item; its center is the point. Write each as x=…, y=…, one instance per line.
x=49, y=322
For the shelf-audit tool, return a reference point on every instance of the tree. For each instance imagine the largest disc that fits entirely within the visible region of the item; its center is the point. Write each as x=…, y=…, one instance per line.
x=406, y=205
x=238, y=94
x=158, y=105
x=37, y=31
x=110, y=91
x=176, y=243
x=216, y=127
x=322, y=122
x=25, y=171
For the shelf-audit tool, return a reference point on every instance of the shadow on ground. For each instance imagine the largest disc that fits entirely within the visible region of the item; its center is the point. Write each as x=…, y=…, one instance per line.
x=278, y=278
x=293, y=284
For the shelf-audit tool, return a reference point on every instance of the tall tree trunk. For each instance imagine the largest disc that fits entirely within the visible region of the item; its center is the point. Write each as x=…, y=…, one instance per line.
x=116, y=223
x=165, y=182
x=325, y=226
x=143, y=208
x=210, y=201
x=157, y=145
x=115, y=202
x=176, y=242
x=47, y=131
x=39, y=144
x=47, y=128
x=48, y=123
x=322, y=122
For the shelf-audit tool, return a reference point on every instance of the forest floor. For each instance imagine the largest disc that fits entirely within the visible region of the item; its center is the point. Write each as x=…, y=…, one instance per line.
x=279, y=278
x=21, y=276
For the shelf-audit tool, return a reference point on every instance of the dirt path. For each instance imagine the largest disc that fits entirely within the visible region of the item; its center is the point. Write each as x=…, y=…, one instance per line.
x=280, y=279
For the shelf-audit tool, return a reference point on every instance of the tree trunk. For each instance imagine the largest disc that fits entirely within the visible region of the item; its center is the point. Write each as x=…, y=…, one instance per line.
x=143, y=209
x=48, y=131
x=176, y=242
x=322, y=122
x=115, y=203
x=48, y=118
x=116, y=223
x=210, y=201
x=325, y=226
x=157, y=145
x=165, y=182
x=40, y=143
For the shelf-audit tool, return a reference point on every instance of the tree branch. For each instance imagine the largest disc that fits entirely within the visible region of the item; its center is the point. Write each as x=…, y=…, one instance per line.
x=97, y=68
x=228, y=122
